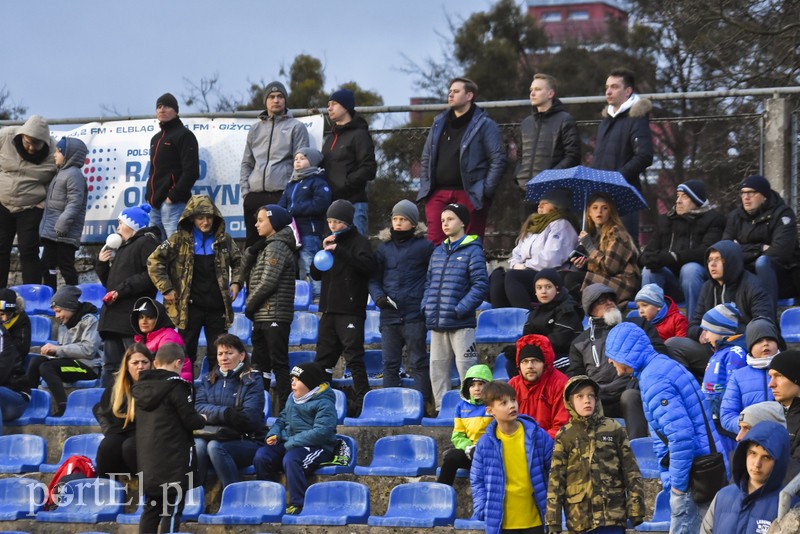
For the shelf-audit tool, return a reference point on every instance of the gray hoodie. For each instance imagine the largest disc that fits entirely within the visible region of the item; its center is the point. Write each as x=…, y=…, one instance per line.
x=23, y=184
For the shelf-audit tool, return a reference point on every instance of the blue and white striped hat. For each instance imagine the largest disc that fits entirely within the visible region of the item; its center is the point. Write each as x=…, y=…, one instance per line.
x=722, y=319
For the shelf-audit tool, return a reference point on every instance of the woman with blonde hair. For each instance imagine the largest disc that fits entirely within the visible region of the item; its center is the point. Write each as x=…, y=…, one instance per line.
x=116, y=413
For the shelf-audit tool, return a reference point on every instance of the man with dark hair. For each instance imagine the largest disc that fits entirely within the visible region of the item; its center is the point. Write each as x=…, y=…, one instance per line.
x=624, y=142
x=462, y=162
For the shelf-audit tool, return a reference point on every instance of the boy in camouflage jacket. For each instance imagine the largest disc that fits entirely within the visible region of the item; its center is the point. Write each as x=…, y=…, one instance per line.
x=593, y=475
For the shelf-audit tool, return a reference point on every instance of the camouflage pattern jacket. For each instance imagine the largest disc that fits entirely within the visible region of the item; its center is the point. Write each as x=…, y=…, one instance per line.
x=594, y=476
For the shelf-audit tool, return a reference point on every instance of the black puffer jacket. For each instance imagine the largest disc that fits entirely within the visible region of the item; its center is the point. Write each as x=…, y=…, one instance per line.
x=686, y=236
x=349, y=160
x=624, y=142
x=174, y=164
x=550, y=140
x=269, y=268
x=559, y=320
x=126, y=274
x=12, y=373
x=773, y=224
x=110, y=423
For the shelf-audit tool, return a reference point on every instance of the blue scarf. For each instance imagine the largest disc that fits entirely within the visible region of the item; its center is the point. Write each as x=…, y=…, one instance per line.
x=203, y=243
x=660, y=315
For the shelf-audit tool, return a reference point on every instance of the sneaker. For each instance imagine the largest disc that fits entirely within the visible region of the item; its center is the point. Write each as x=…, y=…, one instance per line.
x=293, y=510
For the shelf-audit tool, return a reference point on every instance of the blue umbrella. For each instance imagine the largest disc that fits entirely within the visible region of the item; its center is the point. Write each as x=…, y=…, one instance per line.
x=582, y=182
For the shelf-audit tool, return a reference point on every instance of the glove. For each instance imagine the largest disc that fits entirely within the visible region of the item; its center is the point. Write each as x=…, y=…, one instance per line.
x=386, y=303
x=236, y=418
x=250, y=311
x=469, y=451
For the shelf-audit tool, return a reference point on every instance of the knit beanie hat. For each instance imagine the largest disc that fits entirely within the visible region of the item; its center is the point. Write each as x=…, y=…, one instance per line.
x=560, y=198
x=763, y=411
x=406, y=208
x=137, y=217
x=279, y=218
x=592, y=294
x=309, y=373
x=759, y=183
x=62, y=145
x=167, y=100
x=651, y=294
x=66, y=298
x=696, y=190
x=275, y=87
x=722, y=319
x=8, y=300
x=787, y=363
x=551, y=275
x=530, y=351
x=758, y=329
x=341, y=210
x=346, y=98
x=145, y=306
x=313, y=155
x=460, y=211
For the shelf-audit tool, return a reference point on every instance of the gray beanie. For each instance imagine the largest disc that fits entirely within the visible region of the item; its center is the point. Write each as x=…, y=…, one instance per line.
x=313, y=155
x=763, y=411
x=651, y=294
x=759, y=328
x=593, y=293
x=406, y=208
x=66, y=298
x=273, y=87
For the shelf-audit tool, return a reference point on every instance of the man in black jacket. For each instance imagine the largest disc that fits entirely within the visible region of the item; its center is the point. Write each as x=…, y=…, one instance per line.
x=784, y=382
x=174, y=167
x=550, y=137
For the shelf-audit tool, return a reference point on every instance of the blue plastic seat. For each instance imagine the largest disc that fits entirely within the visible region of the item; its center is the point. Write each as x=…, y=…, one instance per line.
x=93, y=292
x=469, y=524
x=21, y=453
x=420, y=505
x=79, y=409
x=239, y=302
x=389, y=407
x=193, y=507
x=37, y=411
x=20, y=498
x=201, y=338
x=88, y=500
x=661, y=515
x=447, y=412
x=302, y=295
x=373, y=361
x=336, y=469
x=333, y=503
x=646, y=457
x=372, y=327
x=84, y=384
x=632, y=313
x=484, y=306
x=249, y=503
x=301, y=356
x=501, y=325
x=404, y=455
x=371, y=303
x=82, y=444
x=37, y=298
x=304, y=329
x=341, y=405
x=500, y=368
x=41, y=330
x=790, y=325
x=242, y=328
x=787, y=303
x=267, y=405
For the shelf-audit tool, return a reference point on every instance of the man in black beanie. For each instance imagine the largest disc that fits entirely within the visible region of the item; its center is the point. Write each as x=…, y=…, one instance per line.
x=174, y=167
x=784, y=382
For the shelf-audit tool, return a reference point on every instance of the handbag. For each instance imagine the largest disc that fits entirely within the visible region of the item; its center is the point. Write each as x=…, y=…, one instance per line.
x=222, y=432
x=708, y=474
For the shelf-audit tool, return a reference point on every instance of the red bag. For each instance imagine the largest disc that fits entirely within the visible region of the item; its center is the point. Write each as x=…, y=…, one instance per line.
x=73, y=468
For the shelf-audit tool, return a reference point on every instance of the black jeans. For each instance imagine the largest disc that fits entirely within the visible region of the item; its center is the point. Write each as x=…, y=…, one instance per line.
x=453, y=460
x=343, y=335
x=117, y=454
x=252, y=202
x=214, y=322
x=630, y=408
x=114, y=347
x=55, y=372
x=61, y=255
x=512, y=288
x=25, y=226
x=163, y=507
x=271, y=353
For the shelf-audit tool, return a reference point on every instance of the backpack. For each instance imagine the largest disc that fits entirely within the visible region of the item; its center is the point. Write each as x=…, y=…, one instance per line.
x=75, y=467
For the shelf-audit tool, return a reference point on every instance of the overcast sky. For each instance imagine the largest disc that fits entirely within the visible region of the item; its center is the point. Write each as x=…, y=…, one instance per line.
x=69, y=59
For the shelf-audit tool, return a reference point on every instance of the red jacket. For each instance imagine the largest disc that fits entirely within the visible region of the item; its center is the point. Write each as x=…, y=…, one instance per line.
x=674, y=324
x=544, y=399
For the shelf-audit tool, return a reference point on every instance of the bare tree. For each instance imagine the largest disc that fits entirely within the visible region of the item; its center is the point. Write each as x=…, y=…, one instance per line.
x=8, y=109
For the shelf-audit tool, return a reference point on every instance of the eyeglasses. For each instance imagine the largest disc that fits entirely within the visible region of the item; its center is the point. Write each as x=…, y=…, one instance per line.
x=747, y=194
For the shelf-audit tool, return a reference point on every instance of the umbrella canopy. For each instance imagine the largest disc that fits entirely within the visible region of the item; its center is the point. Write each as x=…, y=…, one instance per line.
x=583, y=181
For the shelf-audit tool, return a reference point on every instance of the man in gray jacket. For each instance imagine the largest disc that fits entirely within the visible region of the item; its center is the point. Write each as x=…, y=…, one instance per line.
x=268, y=155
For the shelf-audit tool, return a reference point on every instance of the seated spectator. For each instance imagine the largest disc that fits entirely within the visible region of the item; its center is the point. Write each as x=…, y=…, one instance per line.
x=230, y=397
x=545, y=241
x=729, y=282
x=720, y=324
x=14, y=391
x=539, y=385
x=557, y=317
x=15, y=321
x=750, y=502
x=761, y=411
x=303, y=436
x=116, y=415
x=674, y=257
x=76, y=356
x=748, y=385
x=606, y=251
x=154, y=328
x=766, y=228
x=784, y=381
x=661, y=311
x=469, y=424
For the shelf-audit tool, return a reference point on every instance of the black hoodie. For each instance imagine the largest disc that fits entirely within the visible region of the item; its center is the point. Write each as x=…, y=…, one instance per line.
x=349, y=160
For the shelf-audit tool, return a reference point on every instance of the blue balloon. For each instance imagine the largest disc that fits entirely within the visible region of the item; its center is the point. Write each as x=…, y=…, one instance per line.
x=323, y=260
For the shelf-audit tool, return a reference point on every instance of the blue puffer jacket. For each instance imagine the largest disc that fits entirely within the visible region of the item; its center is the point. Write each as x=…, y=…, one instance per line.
x=308, y=200
x=401, y=273
x=311, y=424
x=483, y=157
x=65, y=205
x=488, y=478
x=747, y=386
x=456, y=285
x=670, y=396
x=735, y=510
x=212, y=400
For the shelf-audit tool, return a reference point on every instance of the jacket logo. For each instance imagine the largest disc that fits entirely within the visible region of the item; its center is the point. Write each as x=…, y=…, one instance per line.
x=607, y=439
x=273, y=261
x=351, y=325
x=664, y=402
x=459, y=258
x=273, y=325
x=785, y=220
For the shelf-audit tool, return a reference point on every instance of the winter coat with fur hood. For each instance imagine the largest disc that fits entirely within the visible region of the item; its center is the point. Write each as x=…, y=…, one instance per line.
x=624, y=142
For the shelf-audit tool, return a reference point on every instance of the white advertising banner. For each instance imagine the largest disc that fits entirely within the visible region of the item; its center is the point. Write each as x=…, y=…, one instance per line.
x=118, y=165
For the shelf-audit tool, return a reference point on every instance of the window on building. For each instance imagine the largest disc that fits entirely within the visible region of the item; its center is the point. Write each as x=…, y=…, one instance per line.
x=578, y=15
x=551, y=16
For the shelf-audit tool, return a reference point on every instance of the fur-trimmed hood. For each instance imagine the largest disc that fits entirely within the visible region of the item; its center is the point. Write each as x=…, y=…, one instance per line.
x=385, y=235
x=640, y=108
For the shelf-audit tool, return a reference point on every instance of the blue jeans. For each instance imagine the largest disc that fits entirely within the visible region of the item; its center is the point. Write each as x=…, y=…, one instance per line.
x=226, y=457
x=311, y=245
x=767, y=272
x=298, y=462
x=687, y=515
x=12, y=403
x=166, y=217
x=412, y=335
x=686, y=286
x=360, y=218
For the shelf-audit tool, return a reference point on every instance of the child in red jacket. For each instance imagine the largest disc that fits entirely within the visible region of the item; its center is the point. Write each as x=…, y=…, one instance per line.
x=661, y=311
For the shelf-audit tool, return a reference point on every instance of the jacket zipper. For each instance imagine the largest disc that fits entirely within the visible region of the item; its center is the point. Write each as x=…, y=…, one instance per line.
x=269, y=150
x=153, y=167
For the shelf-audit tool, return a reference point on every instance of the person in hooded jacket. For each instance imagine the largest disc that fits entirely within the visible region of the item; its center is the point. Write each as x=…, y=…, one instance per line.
x=197, y=271
x=15, y=320
x=661, y=311
x=539, y=385
x=124, y=275
x=153, y=327
x=766, y=228
x=675, y=413
x=64, y=213
x=750, y=502
x=349, y=155
x=27, y=165
x=15, y=394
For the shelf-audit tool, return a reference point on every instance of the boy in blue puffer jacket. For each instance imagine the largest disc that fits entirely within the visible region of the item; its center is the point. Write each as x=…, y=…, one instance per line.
x=456, y=285
x=720, y=324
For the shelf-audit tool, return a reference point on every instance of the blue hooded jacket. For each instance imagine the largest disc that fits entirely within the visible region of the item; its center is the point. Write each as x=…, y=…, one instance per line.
x=735, y=510
x=670, y=397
